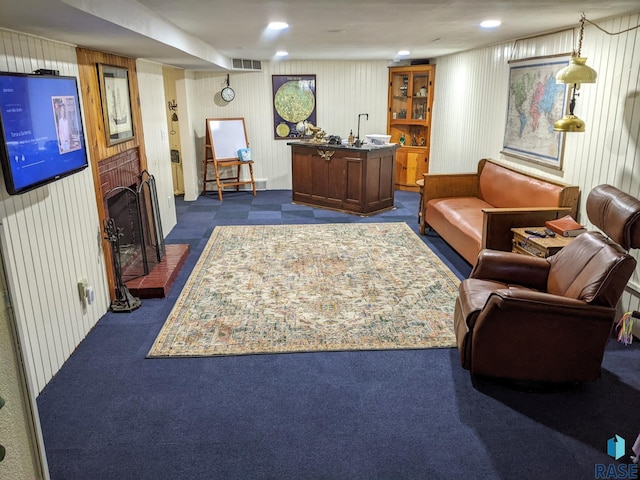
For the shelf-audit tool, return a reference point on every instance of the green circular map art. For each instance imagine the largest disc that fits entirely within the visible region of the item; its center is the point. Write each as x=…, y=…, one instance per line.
x=293, y=103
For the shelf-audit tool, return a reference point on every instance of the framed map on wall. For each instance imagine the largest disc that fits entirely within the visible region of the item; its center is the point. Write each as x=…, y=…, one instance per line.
x=294, y=102
x=536, y=102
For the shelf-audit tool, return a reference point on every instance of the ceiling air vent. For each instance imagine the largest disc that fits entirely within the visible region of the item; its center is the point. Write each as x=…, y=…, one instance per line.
x=242, y=64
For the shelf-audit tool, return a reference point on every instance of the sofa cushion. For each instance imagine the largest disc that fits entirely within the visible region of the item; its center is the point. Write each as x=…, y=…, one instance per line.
x=458, y=220
x=504, y=188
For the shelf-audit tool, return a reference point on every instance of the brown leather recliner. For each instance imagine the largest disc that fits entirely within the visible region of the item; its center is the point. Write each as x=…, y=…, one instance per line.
x=549, y=319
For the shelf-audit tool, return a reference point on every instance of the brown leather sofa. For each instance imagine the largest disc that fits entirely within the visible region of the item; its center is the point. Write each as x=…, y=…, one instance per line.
x=549, y=319
x=472, y=211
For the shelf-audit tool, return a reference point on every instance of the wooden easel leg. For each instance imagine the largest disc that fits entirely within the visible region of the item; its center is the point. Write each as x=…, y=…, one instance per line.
x=253, y=182
x=204, y=178
x=237, y=179
x=218, y=181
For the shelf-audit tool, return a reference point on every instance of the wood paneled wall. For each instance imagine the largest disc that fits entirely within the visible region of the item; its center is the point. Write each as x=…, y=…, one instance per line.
x=344, y=89
x=88, y=61
x=471, y=103
x=50, y=239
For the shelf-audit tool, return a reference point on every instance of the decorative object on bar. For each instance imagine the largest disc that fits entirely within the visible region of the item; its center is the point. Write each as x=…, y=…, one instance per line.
x=317, y=133
x=574, y=74
x=303, y=129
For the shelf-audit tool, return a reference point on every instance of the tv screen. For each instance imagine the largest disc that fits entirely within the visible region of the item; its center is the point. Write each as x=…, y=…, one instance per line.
x=41, y=129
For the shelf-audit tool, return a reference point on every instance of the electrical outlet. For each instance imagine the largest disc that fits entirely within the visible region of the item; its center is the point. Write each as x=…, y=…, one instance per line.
x=90, y=295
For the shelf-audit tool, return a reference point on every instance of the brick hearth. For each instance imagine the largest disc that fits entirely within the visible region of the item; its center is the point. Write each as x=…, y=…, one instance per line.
x=159, y=281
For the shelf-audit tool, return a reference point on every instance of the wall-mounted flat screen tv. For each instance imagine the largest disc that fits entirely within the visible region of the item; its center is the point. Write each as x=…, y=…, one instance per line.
x=41, y=130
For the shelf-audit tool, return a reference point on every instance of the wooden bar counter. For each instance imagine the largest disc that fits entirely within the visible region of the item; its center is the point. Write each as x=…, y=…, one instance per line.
x=349, y=179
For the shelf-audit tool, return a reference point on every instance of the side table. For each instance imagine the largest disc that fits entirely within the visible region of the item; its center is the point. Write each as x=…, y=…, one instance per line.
x=536, y=246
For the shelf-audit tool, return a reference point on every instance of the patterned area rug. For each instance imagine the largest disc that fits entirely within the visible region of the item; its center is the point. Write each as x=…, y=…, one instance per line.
x=305, y=288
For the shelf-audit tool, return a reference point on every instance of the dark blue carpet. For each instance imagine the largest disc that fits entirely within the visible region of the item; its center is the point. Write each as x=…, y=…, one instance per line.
x=110, y=413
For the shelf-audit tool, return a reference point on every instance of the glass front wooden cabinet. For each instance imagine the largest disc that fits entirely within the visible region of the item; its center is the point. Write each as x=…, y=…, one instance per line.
x=409, y=121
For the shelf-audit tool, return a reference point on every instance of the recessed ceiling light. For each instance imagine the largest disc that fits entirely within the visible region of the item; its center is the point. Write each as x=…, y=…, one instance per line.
x=278, y=25
x=282, y=53
x=490, y=23
x=402, y=53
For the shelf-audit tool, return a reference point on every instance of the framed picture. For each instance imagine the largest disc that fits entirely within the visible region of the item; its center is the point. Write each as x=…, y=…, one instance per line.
x=65, y=112
x=294, y=102
x=116, y=103
x=536, y=102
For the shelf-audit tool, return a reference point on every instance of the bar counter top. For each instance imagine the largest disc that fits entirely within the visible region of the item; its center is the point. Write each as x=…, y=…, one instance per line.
x=366, y=147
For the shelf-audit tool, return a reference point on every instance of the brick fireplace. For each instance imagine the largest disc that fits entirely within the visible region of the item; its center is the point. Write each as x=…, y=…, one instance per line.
x=148, y=267
x=122, y=170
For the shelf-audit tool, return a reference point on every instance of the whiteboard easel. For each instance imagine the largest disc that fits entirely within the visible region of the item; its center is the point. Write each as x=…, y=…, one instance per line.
x=223, y=138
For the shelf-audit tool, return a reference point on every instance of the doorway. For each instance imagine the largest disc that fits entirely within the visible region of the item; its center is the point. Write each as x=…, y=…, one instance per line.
x=170, y=76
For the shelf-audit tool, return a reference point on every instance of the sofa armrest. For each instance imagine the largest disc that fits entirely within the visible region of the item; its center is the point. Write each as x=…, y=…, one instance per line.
x=498, y=222
x=508, y=267
x=449, y=185
x=569, y=198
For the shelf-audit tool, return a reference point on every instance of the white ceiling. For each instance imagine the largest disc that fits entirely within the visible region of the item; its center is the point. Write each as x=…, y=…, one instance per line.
x=206, y=34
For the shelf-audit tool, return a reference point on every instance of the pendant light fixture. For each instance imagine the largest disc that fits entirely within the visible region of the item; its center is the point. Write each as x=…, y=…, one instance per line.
x=574, y=74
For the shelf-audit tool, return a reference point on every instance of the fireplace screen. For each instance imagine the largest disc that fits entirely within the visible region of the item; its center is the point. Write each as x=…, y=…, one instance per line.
x=133, y=211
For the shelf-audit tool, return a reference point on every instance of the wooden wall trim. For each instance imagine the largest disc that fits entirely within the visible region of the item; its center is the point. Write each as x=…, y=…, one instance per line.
x=88, y=61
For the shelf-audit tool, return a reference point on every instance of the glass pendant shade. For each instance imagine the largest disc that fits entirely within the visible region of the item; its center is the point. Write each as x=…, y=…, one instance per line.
x=576, y=72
